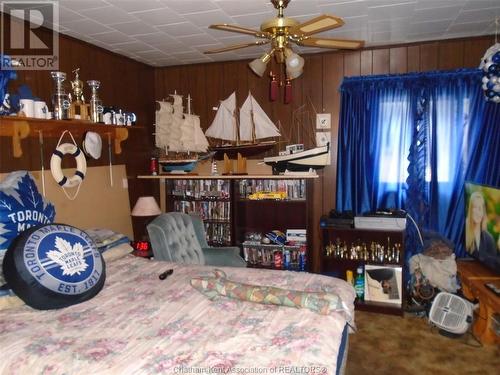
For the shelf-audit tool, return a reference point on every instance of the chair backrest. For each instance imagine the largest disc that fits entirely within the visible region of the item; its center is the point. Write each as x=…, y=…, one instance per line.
x=173, y=238
x=199, y=229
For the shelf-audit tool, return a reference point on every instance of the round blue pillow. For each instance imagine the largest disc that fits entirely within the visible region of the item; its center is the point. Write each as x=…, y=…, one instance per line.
x=54, y=266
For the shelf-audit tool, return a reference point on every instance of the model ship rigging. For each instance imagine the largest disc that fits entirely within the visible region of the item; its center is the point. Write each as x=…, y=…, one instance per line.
x=295, y=158
x=244, y=134
x=179, y=136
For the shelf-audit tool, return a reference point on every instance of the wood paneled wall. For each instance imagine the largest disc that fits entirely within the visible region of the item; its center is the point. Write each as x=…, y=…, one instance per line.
x=316, y=90
x=125, y=83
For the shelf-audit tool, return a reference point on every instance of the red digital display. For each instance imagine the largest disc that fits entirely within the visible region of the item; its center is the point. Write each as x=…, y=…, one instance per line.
x=141, y=245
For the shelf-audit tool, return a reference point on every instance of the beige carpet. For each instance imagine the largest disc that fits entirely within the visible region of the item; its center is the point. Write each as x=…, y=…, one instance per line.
x=386, y=344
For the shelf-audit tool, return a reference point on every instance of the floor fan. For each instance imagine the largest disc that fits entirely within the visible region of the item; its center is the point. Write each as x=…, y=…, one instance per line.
x=451, y=314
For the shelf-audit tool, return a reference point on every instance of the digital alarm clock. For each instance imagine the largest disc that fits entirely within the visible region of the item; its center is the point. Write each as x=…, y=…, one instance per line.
x=142, y=248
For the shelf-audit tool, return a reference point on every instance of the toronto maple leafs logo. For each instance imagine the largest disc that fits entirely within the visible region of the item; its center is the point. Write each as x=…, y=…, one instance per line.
x=21, y=207
x=69, y=257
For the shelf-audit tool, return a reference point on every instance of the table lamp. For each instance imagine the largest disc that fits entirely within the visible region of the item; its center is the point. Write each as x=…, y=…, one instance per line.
x=144, y=207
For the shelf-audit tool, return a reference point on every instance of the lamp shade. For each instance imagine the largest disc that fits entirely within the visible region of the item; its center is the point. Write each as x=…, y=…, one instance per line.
x=294, y=65
x=146, y=206
x=259, y=65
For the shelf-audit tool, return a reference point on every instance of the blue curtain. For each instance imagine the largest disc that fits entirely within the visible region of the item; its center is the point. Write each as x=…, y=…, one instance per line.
x=411, y=141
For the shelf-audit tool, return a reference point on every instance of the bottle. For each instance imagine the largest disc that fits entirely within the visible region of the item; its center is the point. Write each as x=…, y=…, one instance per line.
x=359, y=284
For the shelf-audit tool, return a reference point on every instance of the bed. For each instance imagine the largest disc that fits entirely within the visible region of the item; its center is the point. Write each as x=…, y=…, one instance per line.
x=139, y=324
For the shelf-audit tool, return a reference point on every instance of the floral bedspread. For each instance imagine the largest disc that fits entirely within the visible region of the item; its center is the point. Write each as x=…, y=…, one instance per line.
x=139, y=324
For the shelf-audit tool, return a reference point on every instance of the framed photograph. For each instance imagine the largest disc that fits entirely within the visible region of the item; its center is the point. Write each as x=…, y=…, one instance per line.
x=383, y=284
x=322, y=138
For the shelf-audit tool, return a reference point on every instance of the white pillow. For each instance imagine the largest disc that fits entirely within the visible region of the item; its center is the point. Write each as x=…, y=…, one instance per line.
x=117, y=252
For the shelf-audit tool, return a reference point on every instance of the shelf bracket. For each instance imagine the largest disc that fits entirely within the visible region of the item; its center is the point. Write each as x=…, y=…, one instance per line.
x=121, y=134
x=17, y=131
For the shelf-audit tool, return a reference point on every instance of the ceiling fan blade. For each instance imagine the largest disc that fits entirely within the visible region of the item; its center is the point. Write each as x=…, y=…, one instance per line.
x=317, y=25
x=332, y=43
x=239, y=29
x=237, y=46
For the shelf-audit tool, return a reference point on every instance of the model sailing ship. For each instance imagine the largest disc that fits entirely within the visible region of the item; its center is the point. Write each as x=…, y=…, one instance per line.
x=295, y=159
x=180, y=136
x=245, y=134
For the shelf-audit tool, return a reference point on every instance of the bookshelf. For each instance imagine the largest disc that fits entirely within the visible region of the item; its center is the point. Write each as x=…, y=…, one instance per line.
x=229, y=210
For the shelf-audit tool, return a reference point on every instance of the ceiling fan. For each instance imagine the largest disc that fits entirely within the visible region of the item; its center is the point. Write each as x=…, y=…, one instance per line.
x=281, y=32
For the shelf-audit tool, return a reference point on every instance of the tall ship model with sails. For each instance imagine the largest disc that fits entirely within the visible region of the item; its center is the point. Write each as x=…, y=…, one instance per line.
x=179, y=136
x=245, y=134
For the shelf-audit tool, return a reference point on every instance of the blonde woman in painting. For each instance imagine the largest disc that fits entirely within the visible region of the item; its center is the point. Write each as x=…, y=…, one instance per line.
x=478, y=242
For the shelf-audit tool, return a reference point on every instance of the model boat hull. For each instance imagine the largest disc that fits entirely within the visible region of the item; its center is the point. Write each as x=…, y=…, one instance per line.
x=315, y=158
x=249, y=149
x=177, y=166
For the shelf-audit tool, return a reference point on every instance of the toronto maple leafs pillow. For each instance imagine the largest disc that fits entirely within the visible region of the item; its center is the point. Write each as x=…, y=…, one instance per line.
x=54, y=266
x=21, y=207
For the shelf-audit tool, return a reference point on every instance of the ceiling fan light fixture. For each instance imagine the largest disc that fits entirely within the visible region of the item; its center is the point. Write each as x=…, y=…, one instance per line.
x=294, y=64
x=259, y=65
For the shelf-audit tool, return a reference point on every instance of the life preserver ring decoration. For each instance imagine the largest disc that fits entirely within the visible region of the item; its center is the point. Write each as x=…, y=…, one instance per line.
x=55, y=165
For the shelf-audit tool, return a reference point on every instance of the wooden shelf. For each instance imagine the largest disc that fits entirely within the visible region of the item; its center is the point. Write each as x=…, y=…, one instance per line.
x=229, y=177
x=19, y=128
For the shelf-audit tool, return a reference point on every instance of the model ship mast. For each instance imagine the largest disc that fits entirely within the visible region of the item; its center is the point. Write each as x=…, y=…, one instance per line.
x=247, y=133
x=176, y=131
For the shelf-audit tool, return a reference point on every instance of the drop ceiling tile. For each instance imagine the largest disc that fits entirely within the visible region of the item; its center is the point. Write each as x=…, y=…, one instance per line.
x=134, y=28
x=390, y=11
x=133, y=46
x=190, y=6
x=67, y=15
x=388, y=25
x=226, y=56
x=112, y=37
x=108, y=15
x=204, y=19
x=472, y=28
x=347, y=9
x=444, y=13
x=481, y=4
x=152, y=54
x=179, y=29
x=159, y=17
x=136, y=5
x=237, y=8
x=85, y=26
x=433, y=4
x=478, y=15
x=154, y=39
x=424, y=36
x=167, y=62
x=197, y=60
x=187, y=55
x=197, y=39
x=169, y=48
x=78, y=5
x=429, y=27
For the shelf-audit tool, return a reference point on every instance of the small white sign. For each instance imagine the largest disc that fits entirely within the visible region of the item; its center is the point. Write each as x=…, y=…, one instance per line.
x=322, y=138
x=323, y=120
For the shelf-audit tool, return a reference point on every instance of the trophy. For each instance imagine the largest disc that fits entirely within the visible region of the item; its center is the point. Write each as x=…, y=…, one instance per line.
x=78, y=107
x=60, y=100
x=96, y=108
